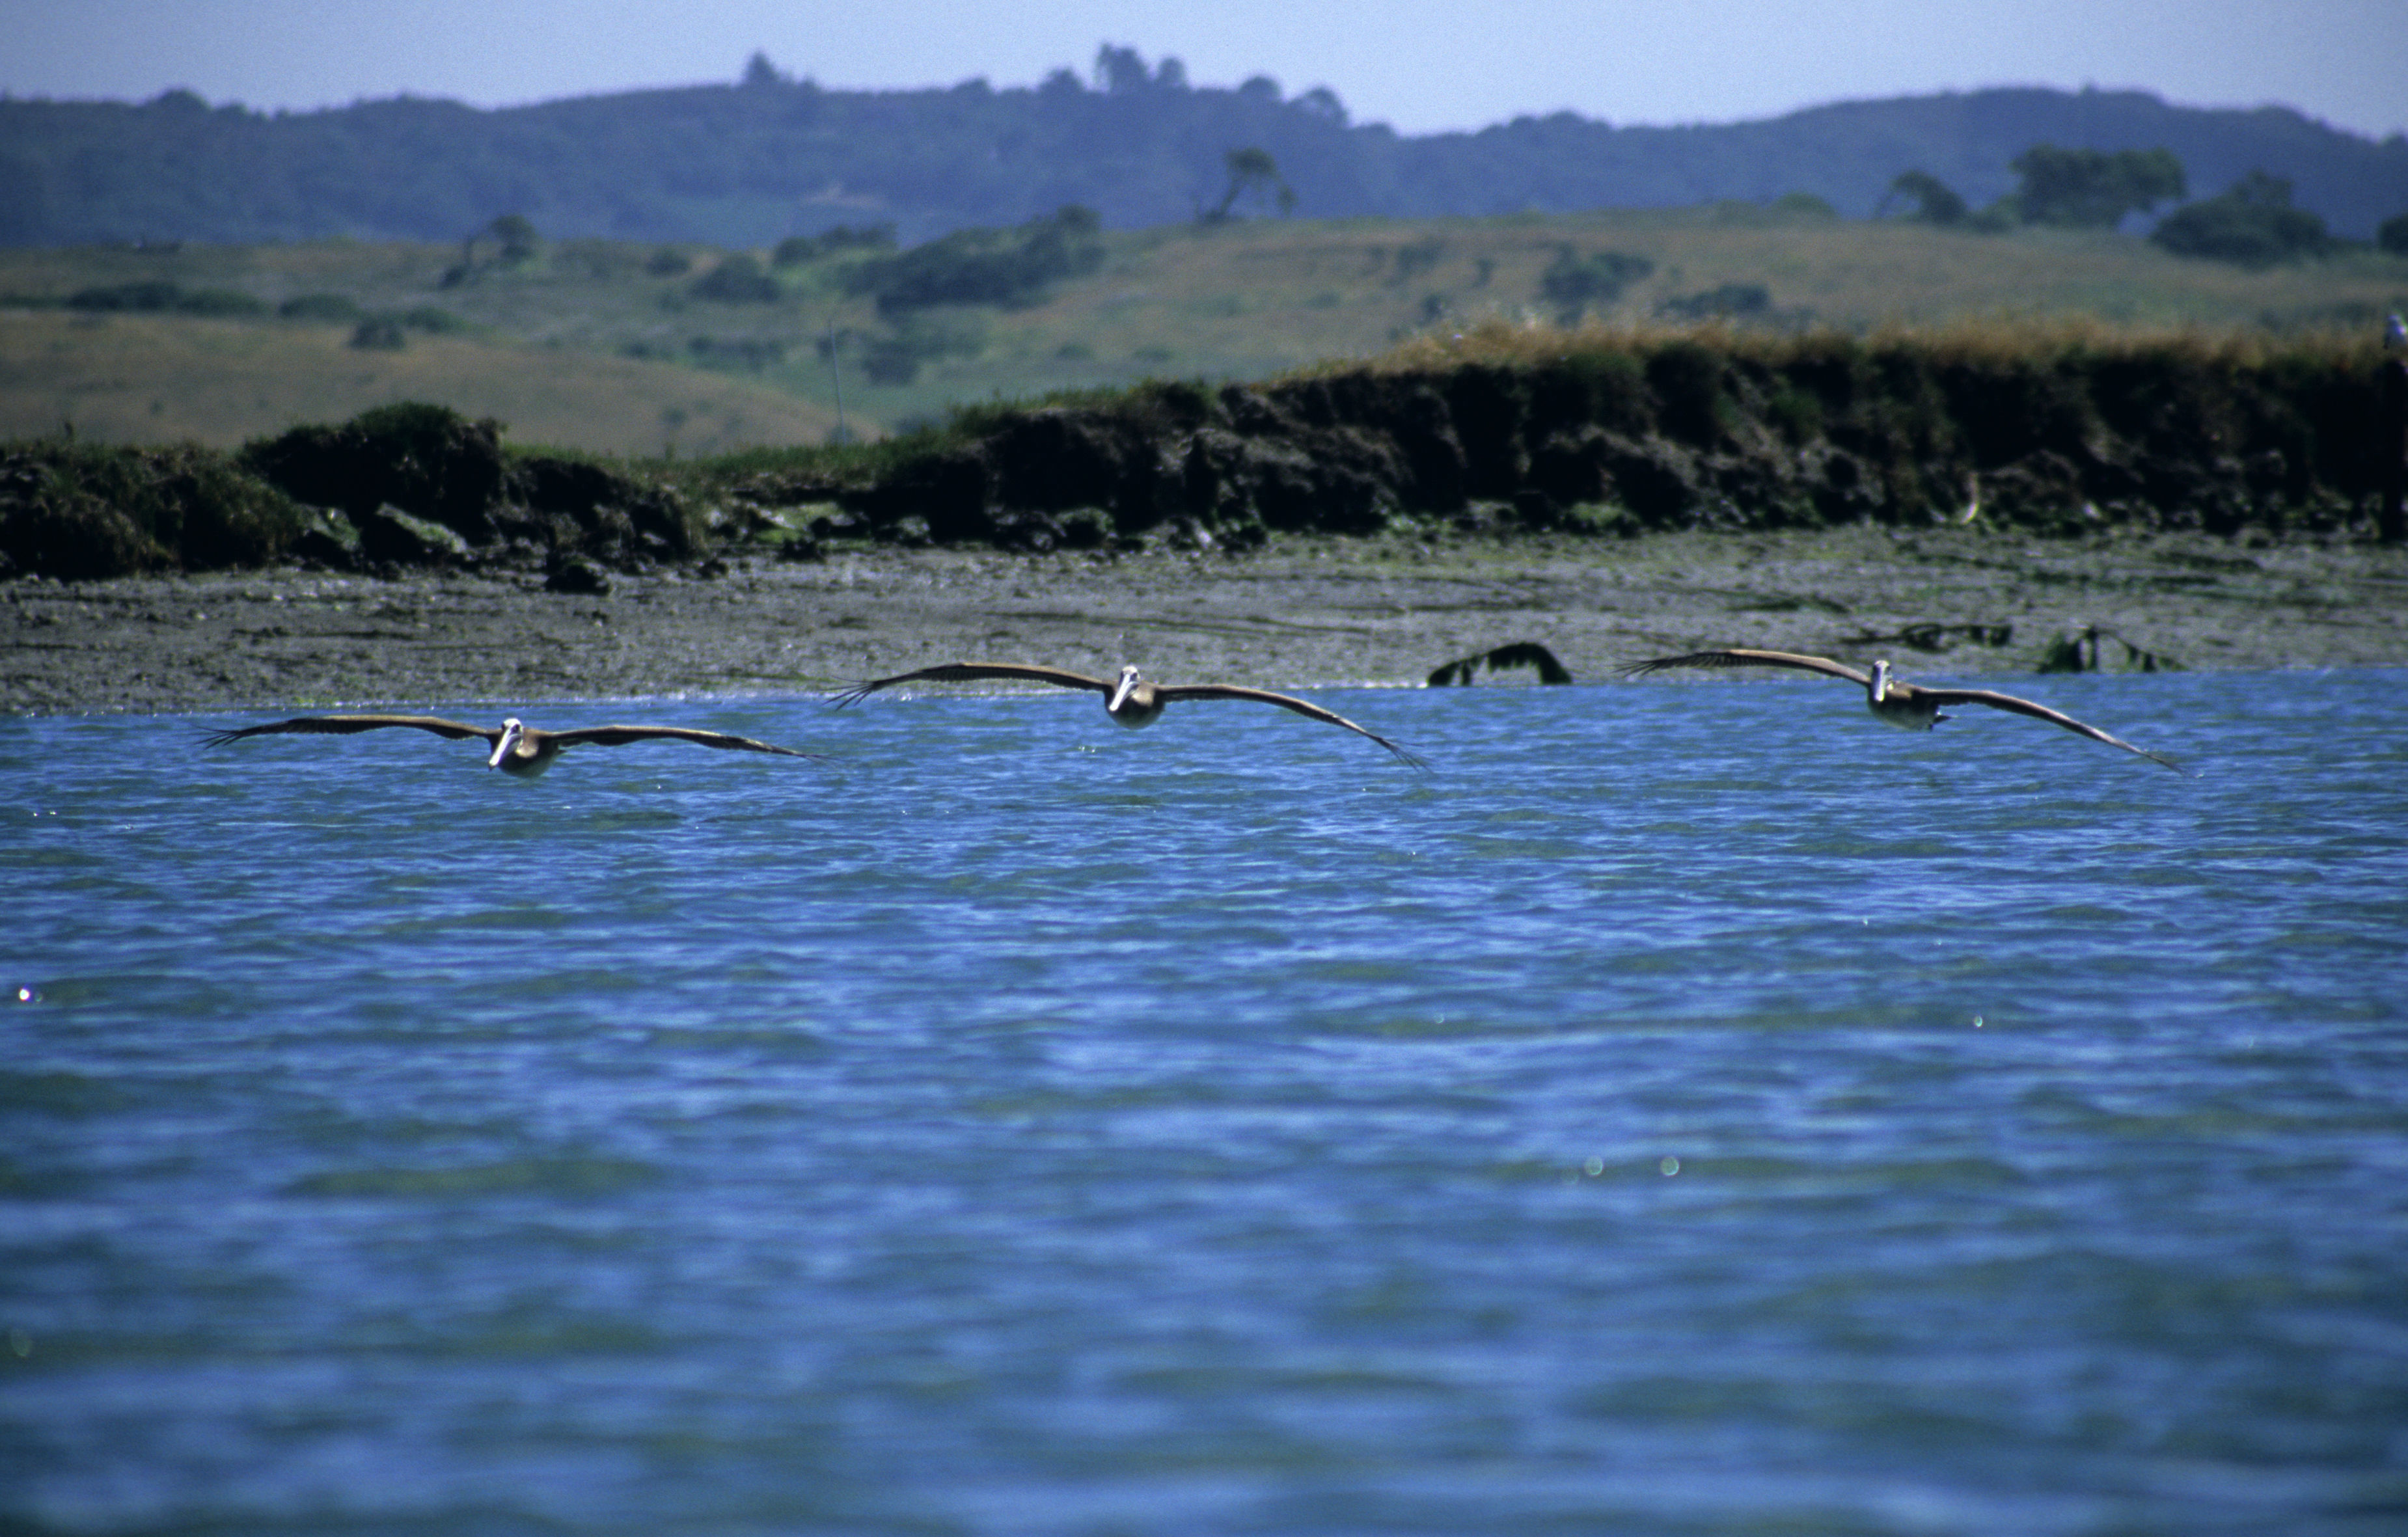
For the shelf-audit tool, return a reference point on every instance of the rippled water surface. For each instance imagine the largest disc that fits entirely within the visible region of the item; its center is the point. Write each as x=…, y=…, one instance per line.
x=1688, y=1109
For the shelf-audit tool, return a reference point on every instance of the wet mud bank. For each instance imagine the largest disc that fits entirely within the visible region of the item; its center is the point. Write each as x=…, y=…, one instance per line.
x=1963, y=504
x=1298, y=612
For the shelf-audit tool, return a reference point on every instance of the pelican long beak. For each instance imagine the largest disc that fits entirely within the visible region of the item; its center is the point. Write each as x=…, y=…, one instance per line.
x=512, y=731
x=1120, y=694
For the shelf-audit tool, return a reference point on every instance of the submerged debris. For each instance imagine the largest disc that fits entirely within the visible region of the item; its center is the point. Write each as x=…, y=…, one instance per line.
x=1518, y=653
x=2084, y=651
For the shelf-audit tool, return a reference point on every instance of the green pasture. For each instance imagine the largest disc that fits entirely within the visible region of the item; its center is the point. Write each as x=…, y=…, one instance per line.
x=618, y=348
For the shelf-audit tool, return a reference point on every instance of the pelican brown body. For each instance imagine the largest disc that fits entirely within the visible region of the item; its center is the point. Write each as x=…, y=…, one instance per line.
x=1908, y=706
x=1131, y=700
x=518, y=749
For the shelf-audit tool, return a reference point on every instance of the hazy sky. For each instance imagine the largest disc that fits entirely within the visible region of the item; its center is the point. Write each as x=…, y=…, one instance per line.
x=1417, y=65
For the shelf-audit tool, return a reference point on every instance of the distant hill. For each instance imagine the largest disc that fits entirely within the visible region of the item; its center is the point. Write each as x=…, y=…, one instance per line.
x=749, y=163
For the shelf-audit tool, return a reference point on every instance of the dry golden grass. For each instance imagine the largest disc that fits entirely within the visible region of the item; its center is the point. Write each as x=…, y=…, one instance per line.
x=156, y=378
x=1980, y=343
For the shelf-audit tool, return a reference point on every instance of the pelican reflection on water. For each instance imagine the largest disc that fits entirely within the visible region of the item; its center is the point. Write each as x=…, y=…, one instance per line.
x=1908, y=706
x=1129, y=699
x=519, y=749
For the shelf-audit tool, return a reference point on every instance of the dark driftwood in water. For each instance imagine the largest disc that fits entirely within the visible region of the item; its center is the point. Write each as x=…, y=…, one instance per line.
x=1518, y=653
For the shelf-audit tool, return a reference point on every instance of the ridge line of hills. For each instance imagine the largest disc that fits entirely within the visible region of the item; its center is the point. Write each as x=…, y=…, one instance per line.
x=749, y=163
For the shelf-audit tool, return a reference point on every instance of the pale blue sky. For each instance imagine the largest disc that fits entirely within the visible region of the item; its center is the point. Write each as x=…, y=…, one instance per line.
x=1417, y=65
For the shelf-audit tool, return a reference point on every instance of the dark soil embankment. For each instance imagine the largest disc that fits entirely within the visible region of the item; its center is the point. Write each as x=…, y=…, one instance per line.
x=1544, y=433
x=400, y=488
x=1605, y=438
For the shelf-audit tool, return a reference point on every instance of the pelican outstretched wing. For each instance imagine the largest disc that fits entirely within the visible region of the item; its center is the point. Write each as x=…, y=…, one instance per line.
x=1946, y=696
x=963, y=673
x=1259, y=696
x=1734, y=657
x=620, y=736
x=344, y=726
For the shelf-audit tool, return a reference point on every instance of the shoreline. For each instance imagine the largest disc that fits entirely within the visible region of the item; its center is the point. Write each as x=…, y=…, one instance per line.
x=1301, y=612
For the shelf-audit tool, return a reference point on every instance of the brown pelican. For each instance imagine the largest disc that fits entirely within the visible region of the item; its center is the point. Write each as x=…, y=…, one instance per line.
x=517, y=748
x=1904, y=705
x=1130, y=700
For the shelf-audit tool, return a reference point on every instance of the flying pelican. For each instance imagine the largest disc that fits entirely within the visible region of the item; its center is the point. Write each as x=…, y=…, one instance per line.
x=1131, y=700
x=1904, y=705
x=518, y=749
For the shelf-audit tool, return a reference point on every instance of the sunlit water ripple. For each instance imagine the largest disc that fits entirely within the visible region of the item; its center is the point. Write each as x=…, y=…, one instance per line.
x=1689, y=1109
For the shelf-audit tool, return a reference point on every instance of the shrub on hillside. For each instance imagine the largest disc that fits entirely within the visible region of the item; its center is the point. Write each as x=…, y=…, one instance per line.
x=921, y=338
x=1000, y=267
x=1804, y=205
x=798, y=250
x=737, y=279
x=2250, y=224
x=157, y=296
x=318, y=306
x=1574, y=282
x=1729, y=302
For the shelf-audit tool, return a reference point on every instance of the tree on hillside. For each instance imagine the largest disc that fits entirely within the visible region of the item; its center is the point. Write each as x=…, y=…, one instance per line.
x=795, y=250
x=512, y=234
x=516, y=235
x=2088, y=189
x=737, y=279
x=1322, y=101
x=1574, y=282
x=1120, y=71
x=1934, y=203
x=1251, y=170
x=2251, y=222
x=2392, y=235
x=733, y=167
x=1001, y=267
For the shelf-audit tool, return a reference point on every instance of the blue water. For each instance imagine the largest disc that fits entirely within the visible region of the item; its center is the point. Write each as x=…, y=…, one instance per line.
x=1689, y=1109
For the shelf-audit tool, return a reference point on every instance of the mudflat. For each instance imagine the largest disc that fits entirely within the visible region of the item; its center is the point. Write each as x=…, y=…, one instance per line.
x=1299, y=613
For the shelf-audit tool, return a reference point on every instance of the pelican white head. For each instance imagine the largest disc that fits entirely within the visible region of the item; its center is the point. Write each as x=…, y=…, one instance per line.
x=1120, y=694
x=507, y=744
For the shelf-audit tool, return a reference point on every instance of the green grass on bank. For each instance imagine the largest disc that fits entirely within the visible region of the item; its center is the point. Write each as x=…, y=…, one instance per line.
x=601, y=346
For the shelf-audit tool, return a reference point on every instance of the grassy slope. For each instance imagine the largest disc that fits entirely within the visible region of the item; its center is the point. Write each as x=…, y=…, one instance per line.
x=153, y=378
x=547, y=352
